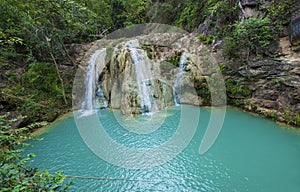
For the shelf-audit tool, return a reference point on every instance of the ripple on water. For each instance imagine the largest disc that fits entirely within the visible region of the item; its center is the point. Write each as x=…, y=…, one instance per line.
x=238, y=161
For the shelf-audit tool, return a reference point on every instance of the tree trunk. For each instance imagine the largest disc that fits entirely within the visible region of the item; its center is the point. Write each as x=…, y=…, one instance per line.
x=57, y=71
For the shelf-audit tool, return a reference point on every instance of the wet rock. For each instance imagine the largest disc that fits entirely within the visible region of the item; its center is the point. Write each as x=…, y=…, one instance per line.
x=273, y=83
x=127, y=72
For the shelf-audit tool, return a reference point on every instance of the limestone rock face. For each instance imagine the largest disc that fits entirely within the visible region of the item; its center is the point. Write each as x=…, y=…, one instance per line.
x=148, y=73
x=275, y=86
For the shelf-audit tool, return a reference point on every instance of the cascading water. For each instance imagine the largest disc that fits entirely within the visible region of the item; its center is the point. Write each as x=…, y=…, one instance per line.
x=94, y=97
x=178, y=80
x=143, y=75
x=101, y=100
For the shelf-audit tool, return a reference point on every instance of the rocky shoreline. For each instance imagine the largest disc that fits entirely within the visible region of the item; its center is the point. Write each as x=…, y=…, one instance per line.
x=273, y=82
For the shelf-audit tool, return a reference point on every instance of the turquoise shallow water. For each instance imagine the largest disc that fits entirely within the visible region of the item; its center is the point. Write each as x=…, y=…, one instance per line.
x=250, y=154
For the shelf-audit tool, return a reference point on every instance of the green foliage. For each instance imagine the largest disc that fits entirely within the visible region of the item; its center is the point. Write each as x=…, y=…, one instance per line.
x=222, y=67
x=253, y=33
x=231, y=48
x=237, y=93
x=210, y=88
x=10, y=137
x=227, y=11
x=278, y=12
x=31, y=23
x=186, y=14
x=35, y=37
x=296, y=119
x=32, y=110
x=203, y=90
x=162, y=12
x=11, y=75
x=8, y=43
x=101, y=19
x=149, y=48
x=277, y=81
x=287, y=116
x=32, y=30
x=16, y=174
x=42, y=77
x=35, y=32
x=272, y=114
x=190, y=15
x=128, y=12
x=237, y=102
x=291, y=118
x=206, y=39
x=41, y=84
x=135, y=11
x=201, y=37
x=174, y=59
x=9, y=40
x=234, y=88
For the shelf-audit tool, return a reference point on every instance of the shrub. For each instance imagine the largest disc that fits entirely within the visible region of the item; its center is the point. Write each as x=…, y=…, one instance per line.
x=206, y=39
x=15, y=173
x=43, y=77
x=278, y=12
x=253, y=33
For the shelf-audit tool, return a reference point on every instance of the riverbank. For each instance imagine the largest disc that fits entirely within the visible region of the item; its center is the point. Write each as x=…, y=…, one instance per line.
x=62, y=117
x=44, y=129
x=280, y=123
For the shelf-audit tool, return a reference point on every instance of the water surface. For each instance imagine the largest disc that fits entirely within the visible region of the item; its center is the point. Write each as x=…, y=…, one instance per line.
x=250, y=154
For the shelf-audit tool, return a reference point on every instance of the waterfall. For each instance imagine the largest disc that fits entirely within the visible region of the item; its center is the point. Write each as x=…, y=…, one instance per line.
x=94, y=97
x=142, y=66
x=178, y=80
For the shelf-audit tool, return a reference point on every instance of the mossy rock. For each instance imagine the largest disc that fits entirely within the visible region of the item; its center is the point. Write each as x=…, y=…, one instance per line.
x=174, y=59
x=148, y=47
x=164, y=65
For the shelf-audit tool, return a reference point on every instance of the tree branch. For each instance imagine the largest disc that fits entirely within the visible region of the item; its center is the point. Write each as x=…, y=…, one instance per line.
x=57, y=69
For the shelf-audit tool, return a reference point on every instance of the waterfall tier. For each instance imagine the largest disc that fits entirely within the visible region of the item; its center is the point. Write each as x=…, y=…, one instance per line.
x=178, y=84
x=94, y=97
x=145, y=75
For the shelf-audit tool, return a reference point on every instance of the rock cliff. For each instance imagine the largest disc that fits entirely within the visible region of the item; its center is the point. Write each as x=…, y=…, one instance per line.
x=269, y=86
